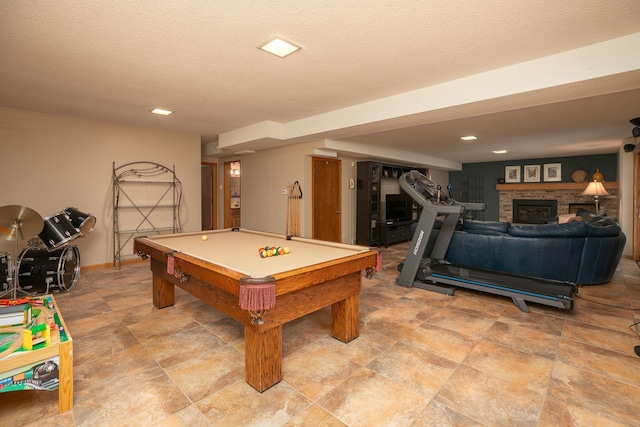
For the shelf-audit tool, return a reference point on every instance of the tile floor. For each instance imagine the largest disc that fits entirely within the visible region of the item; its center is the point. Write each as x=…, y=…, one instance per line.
x=422, y=359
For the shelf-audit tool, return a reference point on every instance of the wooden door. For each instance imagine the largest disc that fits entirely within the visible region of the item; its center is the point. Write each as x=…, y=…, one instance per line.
x=209, y=201
x=326, y=217
x=232, y=194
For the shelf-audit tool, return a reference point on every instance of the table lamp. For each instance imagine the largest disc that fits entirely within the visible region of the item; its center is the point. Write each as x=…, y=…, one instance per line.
x=595, y=189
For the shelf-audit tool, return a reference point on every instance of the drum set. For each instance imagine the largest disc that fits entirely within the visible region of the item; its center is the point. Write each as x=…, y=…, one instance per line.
x=48, y=262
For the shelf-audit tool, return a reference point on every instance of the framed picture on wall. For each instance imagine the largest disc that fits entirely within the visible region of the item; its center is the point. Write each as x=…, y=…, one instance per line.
x=512, y=174
x=531, y=173
x=553, y=172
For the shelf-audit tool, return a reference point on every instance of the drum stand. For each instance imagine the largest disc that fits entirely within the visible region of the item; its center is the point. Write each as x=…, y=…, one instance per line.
x=20, y=221
x=12, y=278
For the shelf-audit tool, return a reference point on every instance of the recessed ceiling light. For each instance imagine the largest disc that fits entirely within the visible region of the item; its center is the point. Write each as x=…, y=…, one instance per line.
x=469, y=138
x=161, y=111
x=499, y=151
x=279, y=47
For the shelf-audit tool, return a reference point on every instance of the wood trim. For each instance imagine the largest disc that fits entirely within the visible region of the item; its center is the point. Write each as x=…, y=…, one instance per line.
x=552, y=186
x=636, y=204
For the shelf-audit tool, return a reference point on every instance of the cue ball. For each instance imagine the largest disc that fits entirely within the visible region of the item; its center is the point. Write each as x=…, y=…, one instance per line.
x=204, y=237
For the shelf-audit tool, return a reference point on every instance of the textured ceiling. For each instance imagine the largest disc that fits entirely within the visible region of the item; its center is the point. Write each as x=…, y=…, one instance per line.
x=411, y=76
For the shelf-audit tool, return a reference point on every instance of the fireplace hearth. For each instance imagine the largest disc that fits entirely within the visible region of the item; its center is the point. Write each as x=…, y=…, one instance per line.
x=533, y=211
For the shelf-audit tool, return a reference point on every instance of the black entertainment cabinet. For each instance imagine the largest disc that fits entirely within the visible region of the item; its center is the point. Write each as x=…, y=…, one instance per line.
x=372, y=229
x=394, y=232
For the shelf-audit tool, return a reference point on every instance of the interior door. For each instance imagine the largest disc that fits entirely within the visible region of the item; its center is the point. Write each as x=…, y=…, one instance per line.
x=232, y=194
x=209, y=202
x=326, y=199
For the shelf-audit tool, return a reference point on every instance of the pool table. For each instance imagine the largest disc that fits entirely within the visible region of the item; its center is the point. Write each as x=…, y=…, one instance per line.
x=221, y=267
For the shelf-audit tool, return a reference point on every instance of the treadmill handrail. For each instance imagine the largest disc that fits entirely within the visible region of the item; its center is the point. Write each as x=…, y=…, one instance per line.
x=416, y=184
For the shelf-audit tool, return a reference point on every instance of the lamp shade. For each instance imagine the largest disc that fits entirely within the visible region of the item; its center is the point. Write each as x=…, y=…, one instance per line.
x=595, y=188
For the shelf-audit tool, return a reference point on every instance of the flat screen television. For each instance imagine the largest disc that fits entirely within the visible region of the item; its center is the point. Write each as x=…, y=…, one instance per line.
x=398, y=207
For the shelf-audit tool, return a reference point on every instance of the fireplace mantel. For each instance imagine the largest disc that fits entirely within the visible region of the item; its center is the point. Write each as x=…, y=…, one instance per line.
x=551, y=186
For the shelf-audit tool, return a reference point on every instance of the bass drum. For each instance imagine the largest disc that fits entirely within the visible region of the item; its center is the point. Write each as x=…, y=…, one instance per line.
x=41, y=270
x=5, y=264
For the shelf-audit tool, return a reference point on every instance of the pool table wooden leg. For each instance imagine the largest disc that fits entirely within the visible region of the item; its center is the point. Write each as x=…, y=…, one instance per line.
x=345, y=319
x=263, y=357
x=163, y=292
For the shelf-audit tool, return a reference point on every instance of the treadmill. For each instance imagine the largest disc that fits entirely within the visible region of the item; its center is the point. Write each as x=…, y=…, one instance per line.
x=434, y=273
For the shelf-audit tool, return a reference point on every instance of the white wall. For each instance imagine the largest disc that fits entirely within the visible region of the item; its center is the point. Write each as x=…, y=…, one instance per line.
x=439, y=177
x=266, y=173
x=51, y=162
x=625, y=195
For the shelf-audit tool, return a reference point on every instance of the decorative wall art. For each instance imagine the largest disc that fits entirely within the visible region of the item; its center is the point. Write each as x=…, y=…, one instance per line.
x=531, y=173
x=512, y=174
x=553, y=172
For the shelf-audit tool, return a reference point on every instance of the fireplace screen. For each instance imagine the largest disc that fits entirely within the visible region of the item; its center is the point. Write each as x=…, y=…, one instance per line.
x=533, y=211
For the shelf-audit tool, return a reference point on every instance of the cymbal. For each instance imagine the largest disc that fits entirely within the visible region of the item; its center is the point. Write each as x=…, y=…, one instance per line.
x=19, y=222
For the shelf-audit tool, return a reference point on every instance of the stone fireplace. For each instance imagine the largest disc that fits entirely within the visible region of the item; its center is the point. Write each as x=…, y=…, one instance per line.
x=568, y=195
x=527, y=211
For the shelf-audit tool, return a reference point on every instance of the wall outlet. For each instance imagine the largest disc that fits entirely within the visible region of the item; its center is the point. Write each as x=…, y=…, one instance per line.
x=284, y=191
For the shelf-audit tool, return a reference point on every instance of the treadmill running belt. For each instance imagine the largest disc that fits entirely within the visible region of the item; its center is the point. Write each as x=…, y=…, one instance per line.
x=542, y=288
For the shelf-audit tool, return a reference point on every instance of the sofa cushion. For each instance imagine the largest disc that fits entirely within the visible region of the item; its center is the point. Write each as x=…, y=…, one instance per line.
x=570, y=229
x=490, y=228
x=603, y=227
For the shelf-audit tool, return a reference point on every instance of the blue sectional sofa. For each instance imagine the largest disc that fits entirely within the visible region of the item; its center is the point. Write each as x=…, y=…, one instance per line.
x=583, y=252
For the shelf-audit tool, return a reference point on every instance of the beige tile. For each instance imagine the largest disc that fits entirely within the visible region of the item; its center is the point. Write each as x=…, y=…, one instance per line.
x=241, y=405
x=400, y=318
x=200, y=375
x=362, y=349
x=597, y=394
x=314, y=416
x=442, y=342
x=601, y=361
x=144, y=402
x=316, y=369
x=414, y=367
x=312, y=327
x=476, y=303
x=187, y=417
x=533, y=320
x=490, y=400
x=170, y=350
x=621, y=341
x=229, y=330
x=437, y=414
x=508, y=364
x=162, y=324
x=557, y=413
x=523, y=339
x=98, y=375
x=109, y=340
x=463, y=322
x=367, y=399
x=618, y=321
x=200, y=311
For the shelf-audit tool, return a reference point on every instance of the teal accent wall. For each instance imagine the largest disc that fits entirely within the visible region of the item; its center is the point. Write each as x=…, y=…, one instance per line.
x=476, y=182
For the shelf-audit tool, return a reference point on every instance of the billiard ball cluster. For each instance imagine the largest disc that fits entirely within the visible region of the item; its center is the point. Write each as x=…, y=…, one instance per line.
x=267, y=251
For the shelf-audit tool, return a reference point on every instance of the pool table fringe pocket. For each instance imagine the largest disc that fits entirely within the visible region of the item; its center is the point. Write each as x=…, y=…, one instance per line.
x=257, y=296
